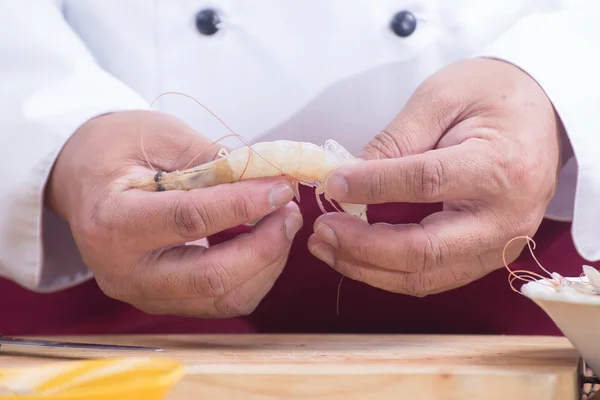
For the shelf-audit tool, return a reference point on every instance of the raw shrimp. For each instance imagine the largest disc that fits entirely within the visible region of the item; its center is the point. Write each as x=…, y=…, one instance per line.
x=301, y=162
x=591, y=287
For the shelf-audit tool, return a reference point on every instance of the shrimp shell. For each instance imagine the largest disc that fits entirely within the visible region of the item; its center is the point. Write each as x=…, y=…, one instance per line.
x=554, y=281
x=303, y=163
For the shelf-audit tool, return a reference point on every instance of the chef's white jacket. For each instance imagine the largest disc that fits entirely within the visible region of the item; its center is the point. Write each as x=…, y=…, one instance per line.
x=304, y=70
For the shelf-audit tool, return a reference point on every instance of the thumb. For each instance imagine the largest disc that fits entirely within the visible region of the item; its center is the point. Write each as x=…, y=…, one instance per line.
x=417, y=128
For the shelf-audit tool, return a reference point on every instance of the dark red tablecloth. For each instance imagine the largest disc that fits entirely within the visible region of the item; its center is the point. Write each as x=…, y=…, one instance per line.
x=304, y=297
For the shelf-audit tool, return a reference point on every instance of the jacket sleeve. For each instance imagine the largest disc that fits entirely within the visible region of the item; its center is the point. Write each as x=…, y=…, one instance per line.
x=560, y=50
x=50, y=85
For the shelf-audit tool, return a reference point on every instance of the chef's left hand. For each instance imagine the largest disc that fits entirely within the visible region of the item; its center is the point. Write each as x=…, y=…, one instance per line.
x=480, y=136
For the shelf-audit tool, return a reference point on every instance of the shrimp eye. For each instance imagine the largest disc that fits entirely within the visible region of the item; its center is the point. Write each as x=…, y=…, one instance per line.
x=158, y=176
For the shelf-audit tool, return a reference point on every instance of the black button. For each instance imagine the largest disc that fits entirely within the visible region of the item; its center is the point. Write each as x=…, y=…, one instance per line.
x=404, y=24
x=207, y=22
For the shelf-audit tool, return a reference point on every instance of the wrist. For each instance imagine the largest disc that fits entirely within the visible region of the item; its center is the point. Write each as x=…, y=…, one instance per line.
x=64, y=183
x=55, y=197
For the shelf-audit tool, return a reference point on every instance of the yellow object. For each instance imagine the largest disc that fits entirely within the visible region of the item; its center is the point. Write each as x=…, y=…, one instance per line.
x=128, y=378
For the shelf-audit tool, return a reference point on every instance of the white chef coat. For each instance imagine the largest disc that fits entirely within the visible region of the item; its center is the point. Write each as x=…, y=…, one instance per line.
x=304, y=70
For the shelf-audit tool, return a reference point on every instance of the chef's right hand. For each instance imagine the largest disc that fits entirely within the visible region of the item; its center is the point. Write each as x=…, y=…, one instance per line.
x=135, y=242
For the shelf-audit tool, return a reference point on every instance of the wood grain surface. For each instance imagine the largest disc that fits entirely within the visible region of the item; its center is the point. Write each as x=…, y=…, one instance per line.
x=349, y=366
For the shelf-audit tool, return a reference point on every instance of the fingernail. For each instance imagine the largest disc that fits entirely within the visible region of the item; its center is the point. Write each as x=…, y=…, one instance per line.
x=293, y=223
x=253, y=223
x=323, y=254
x=336, y=187
x=281, y=195
x=325, y=233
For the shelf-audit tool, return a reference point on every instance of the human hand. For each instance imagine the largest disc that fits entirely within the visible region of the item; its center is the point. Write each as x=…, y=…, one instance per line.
x=480, y=136
x=135, y=241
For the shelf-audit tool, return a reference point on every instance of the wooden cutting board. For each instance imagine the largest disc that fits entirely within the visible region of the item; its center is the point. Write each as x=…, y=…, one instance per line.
x=349, y=367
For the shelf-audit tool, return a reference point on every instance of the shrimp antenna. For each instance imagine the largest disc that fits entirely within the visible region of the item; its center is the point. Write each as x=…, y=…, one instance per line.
x=555, y=280
x=528, y=276
x=233, y=134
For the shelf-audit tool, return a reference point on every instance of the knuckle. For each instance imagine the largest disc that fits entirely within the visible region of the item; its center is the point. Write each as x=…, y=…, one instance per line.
x=514, y=161
x=508, y=170
x=498, y=183
x=372, y=186
x=190, y=219
x=210, y=281
x=430, y=180
x=389, y=145
x=424, y=254
x=244, y=207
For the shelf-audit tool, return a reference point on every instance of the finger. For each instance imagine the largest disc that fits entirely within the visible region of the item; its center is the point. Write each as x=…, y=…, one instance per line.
x=245, y=299
x=241, y=301
x=354, y=269
x=391, y=281
x=176, y=217
x=410, y=283
x=464, y=172
x=417, y=128
x=443, y=238
x=193, y=272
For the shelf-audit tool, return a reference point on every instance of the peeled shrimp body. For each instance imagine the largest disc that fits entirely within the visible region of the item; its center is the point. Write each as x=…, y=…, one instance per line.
x=303, y=163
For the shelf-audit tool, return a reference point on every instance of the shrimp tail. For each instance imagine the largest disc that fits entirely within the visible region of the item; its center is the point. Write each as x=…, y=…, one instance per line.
x=343, y=156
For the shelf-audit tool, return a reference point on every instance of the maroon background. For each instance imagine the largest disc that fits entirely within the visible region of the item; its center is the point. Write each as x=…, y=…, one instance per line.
x=304, y=297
